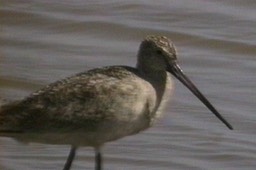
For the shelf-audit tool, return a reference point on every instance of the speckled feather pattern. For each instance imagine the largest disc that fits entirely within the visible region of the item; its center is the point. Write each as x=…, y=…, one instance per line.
x=69, y=97
x=110, y=102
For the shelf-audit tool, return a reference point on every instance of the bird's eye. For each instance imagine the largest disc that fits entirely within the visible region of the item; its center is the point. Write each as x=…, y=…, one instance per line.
x=159, y=52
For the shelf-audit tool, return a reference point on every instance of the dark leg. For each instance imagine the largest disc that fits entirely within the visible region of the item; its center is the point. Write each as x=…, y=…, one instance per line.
x=70, y=159
x=98, y=159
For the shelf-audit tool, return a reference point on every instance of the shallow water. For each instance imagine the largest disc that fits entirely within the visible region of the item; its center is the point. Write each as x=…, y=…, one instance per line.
x=43, y=41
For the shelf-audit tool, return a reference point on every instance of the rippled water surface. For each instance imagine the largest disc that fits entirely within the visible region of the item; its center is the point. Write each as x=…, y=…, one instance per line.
x=45, y=40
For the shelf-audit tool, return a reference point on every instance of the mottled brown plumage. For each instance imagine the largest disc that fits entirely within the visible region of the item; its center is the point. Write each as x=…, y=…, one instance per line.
x=101, y=105
x=69, y=104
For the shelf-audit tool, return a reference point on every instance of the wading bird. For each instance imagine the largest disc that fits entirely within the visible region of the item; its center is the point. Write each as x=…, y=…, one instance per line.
x=100, y=105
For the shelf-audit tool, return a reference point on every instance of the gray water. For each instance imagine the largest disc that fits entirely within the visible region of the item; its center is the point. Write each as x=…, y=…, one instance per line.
x=42, y=41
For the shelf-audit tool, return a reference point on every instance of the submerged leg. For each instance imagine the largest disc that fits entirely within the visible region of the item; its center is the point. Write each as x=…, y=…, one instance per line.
x=70, y=159
x=98, y=159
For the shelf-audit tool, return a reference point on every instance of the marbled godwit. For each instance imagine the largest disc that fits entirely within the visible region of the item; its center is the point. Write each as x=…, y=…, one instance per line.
x=100, y=105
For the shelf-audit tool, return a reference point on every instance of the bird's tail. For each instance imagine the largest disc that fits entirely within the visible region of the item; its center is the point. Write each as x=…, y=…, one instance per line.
x=3, y=101
x=6, y=110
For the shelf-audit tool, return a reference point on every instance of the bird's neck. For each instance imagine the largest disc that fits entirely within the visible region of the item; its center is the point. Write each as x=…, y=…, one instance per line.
x=158, y=80
x=152, y=74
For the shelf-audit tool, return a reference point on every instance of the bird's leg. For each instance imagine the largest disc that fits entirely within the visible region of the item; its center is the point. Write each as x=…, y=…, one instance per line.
x=70, y=159
x=98, y=159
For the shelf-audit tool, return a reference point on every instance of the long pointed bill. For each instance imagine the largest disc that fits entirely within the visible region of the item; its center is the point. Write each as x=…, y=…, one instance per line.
x=178, y=73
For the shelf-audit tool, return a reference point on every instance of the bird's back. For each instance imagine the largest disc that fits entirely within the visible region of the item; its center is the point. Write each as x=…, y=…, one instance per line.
x=108, y=99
